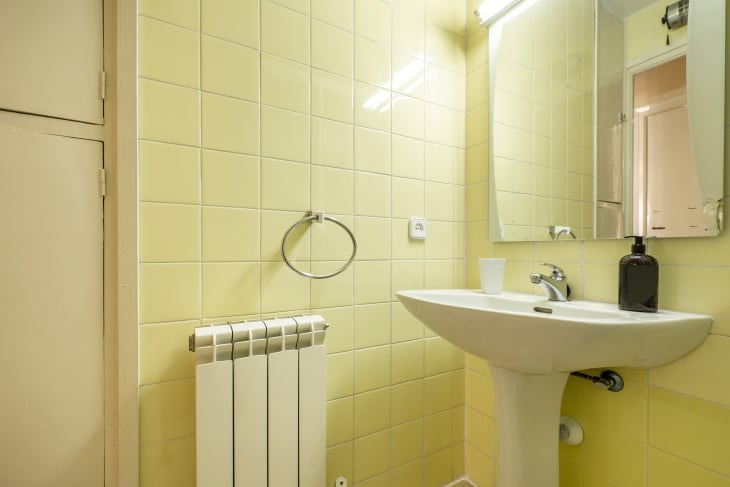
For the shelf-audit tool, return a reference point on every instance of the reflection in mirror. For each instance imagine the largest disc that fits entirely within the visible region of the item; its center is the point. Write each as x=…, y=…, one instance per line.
x=565, y=159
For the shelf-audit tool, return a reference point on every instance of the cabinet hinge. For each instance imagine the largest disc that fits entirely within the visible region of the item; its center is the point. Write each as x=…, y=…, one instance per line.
x=102, y=85
x=102, y=182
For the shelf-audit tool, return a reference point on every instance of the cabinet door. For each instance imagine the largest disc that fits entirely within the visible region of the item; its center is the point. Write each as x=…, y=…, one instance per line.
x=51, y=53
x=51, y=311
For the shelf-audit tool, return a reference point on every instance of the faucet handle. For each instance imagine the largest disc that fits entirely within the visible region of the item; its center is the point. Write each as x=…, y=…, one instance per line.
x=556, y=273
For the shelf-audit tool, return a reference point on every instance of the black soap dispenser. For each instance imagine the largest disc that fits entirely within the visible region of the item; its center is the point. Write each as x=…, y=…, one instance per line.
x=638, y=279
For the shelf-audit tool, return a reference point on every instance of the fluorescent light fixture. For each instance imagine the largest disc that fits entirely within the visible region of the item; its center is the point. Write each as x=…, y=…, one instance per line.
x=491, y=9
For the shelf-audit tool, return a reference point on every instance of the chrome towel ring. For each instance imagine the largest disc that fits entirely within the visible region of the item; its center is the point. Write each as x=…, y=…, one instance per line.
x=319, y=217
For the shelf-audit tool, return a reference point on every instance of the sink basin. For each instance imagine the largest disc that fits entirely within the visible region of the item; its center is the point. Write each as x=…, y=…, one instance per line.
x=532, y=345
x=529, y=334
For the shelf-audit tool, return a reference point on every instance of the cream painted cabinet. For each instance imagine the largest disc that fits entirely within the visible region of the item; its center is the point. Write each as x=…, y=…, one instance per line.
x=51, y=311
x=51, y=53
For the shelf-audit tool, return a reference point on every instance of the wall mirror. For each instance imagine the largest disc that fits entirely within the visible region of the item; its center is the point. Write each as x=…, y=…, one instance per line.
x=606, y=119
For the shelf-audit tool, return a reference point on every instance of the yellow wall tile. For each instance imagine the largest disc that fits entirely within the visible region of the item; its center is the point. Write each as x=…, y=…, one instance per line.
x=481, y=432
x=441, y=163
x=408, y=116
x=336, y=12
x=332, y=143
x=625, y=413
x=479, y=393
x=229, y=69
x=168, y=464
x=699, y=372
x=230, y=234
x=372, y=150
x=339, y=335
x=479, y=466
x=408, y=197
x=372, y=62
x=668, y=471
x=693, y=429
x=339, y=421
x=408, y=73
x=167, y=411
x=284, y=135
x=406, y=402
x=284, y=84
x=409, y=475
x=373, y=238
x=169, y=173
x=371, y=368
x=169, y=233
x=333, y=291
x=439, y=274
x=437, y=393
x=408, y=157
x=372, y=20
x=276, y=20
x=168, y=113
x=232, y=20
x=372, y=412
x=438, y=468
x=184, y=13
x=404, y=325
x=339, y=462
x=169, y=292
x=278, y=280
x=437, y=431
x=332, y=49
x=331, y=242
x=441, y=356
x=160, y=356
x=407, y=274
x=372, y=281
x=230, y=289
x=372, y=455
x=372, y=194
x=600, y=442
x=409, y=19
x=301, y=6
x=372, y=325
x=168, y=53
x=339, y=375
x=273, y=226
x=230, y=179
x=407, y=361
x=407, y=443
x=332, y=96
x=230, y=124
x=331, y=189
x=284, y=186
x=372, y=106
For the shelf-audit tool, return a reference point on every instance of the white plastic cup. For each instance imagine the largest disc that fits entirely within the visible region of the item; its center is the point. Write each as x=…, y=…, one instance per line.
x=491, y=275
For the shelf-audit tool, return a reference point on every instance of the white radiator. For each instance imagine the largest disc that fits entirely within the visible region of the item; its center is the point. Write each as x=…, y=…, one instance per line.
x=260, y=403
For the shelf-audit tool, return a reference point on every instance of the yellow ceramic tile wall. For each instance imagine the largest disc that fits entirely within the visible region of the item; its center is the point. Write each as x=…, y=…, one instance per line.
x=229, y=179
x=168, y=53
x=243, y=130
x=185, y=13
x=233, y=20
x=169, y=173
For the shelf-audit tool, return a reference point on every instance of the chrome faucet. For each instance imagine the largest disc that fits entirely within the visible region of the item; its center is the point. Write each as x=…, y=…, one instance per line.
x=556, y=284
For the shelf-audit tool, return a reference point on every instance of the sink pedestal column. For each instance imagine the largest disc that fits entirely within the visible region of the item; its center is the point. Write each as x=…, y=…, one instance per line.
x=528, y=424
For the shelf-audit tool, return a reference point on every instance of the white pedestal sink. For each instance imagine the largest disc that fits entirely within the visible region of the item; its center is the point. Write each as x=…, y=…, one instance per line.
x=532, y=345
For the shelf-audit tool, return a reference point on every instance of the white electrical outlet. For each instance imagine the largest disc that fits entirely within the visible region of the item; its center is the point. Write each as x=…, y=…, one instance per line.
x=417, y=228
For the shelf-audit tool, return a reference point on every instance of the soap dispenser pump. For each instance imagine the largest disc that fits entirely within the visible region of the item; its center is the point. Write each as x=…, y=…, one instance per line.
x=638, y=279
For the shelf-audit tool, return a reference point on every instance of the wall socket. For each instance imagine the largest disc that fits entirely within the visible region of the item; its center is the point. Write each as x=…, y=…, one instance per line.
x=417, y=228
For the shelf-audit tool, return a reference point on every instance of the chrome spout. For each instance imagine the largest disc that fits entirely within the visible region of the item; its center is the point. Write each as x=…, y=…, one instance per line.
x=555, y=285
